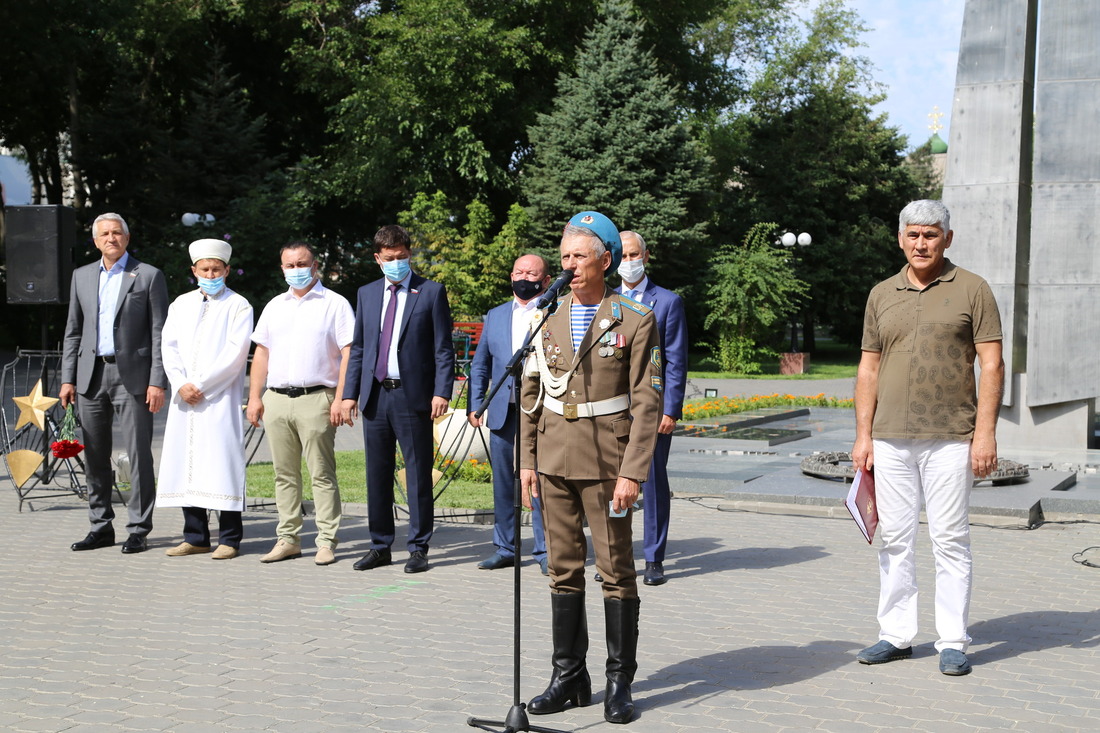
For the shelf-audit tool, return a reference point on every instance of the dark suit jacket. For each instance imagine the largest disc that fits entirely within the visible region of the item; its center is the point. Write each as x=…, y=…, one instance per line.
x=425, y=351
x=139, y=318
x=492, y=355
x=672, y=325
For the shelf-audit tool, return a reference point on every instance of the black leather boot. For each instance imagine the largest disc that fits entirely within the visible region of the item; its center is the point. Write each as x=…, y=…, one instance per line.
x=570, y=681
x=621, y=617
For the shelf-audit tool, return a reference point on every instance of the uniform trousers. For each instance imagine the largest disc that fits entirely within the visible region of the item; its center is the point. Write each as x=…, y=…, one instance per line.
x=938, y=471
x=105, y=400
x=297, y=428
x=196, y=527
x=565, y=506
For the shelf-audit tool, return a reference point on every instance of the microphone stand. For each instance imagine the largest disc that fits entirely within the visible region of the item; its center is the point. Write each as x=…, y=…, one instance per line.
x=516, y=719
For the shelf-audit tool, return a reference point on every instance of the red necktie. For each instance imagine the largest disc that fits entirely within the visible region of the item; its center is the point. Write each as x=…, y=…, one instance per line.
x=381, y=366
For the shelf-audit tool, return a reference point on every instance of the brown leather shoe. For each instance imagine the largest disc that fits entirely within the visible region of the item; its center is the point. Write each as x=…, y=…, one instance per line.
x=224, y=552
x=282, y=550
x=185, y=548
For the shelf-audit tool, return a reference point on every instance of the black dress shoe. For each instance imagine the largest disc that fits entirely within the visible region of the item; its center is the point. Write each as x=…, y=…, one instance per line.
x=418, y=562
x=134, y=544
x=94, y=541
x=373, y=559
x=654, y=574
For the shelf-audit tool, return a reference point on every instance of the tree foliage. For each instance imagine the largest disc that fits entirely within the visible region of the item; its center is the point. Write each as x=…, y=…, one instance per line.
x=472, y=265
x=325, y=119
x=615, y=142
x=810, y=155
x=752, y=289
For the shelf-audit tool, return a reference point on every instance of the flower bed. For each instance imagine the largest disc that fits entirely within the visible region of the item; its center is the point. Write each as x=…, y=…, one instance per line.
x=698, y=409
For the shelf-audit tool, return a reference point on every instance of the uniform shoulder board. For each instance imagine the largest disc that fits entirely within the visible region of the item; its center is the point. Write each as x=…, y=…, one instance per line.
x=640, y=308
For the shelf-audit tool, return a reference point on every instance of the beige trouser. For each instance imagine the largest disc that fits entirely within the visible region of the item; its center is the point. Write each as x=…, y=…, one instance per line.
x=565, y=506
x=299, y=428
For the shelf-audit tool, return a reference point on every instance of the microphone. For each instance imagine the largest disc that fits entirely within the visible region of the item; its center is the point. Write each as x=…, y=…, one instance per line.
x=554, y=290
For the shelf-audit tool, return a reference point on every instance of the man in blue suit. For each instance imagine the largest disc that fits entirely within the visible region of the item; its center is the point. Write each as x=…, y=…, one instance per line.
x=400, y=375
x=669, y=309
x=504, y=331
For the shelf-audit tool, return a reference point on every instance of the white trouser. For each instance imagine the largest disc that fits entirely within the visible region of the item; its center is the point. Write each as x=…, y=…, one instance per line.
x=940, y=471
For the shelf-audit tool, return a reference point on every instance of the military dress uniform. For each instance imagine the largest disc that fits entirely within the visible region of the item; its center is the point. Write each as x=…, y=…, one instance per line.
x=589, y=417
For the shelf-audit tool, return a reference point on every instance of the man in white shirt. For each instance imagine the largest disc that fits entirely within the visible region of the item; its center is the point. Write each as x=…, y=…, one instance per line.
x=504, y=331
x=303, y=340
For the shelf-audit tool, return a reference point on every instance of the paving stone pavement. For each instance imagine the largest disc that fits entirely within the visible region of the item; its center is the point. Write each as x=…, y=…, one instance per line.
x=756, y=630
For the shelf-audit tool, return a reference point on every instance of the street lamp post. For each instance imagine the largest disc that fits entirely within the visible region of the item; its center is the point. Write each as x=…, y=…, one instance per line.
x=190, y=220
x=789, y=240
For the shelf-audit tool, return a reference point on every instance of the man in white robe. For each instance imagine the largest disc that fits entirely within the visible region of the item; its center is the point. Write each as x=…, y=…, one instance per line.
x=205, y=346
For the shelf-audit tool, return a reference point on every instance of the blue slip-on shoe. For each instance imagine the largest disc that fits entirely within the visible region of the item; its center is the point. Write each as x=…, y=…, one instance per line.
x=954, y=663
x=884, y=651
x=497, y=561
x=544, y=565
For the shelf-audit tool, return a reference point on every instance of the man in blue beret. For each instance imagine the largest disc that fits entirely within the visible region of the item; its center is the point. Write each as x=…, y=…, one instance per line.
x=590, y=409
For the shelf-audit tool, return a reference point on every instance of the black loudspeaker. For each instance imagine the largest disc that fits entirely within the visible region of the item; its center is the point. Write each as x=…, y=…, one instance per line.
x=39, y=243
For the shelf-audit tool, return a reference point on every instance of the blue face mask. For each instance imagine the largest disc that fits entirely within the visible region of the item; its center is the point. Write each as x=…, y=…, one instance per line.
x=395, y=270
x=298, y=277
x=211, y=286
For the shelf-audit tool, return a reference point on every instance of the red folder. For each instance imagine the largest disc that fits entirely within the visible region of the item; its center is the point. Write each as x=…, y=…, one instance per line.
x=861, y=503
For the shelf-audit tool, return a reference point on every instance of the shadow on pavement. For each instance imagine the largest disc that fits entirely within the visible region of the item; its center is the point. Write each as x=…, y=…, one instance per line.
x=1034, y=631
x=702, y=560
x=750, y=668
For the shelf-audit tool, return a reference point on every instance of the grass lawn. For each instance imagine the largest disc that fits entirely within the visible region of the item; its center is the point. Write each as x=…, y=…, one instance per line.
x=351, y=475
x=829, y=360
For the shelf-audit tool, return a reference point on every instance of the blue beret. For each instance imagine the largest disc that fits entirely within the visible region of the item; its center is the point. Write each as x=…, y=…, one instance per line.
x=606, y=230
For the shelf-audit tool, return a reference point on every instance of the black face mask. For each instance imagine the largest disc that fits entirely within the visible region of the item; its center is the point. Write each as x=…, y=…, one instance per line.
x=526, y=289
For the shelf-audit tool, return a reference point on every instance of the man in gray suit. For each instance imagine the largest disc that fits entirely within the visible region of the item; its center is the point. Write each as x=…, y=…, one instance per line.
x=112, y=359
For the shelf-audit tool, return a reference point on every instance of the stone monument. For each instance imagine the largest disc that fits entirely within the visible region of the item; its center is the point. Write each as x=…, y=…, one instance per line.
x=1022, y=185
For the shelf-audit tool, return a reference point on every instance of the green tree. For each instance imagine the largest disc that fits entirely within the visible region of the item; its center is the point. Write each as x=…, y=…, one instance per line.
x=810, y=155
x=615, y=142
x=923, y=169
x=427, y=101
x=752, y=289
x=472, y=265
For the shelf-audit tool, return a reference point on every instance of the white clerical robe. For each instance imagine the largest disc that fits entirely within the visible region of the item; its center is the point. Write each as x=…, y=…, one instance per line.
x=205, y=342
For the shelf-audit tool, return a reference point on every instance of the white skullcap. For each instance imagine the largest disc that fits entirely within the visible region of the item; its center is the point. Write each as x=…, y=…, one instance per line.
x=210, y=249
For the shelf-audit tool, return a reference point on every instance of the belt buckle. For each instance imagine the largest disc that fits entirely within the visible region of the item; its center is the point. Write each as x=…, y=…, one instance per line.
x=295, y=392
x=568, y=411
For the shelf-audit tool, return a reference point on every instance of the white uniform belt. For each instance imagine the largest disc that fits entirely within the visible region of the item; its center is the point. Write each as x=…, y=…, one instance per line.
x=587, y=409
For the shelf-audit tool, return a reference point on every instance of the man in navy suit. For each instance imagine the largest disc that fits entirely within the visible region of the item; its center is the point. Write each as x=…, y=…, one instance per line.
x=669, y=309
x=504, y=331
x=400, y=375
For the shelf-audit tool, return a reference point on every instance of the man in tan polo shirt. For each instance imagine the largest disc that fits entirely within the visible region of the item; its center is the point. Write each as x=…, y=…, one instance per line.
x=925, y=429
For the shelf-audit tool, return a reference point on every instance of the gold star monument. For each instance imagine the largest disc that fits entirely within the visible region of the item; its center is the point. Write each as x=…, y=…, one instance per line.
x=32, y=408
